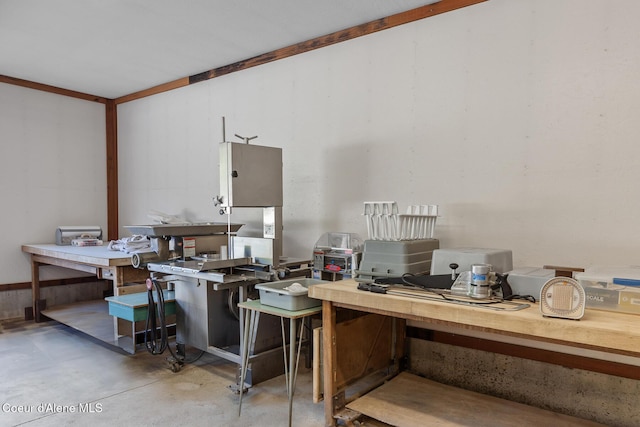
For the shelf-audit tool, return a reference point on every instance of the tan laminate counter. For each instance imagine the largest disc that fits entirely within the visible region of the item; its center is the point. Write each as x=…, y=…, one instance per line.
x=600, y=330
x=100, y=256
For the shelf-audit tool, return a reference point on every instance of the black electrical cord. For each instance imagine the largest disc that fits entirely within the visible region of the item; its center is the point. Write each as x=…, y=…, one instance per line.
x=156, y=341
x=408, y=283
x=529, y=298
x=405, y=279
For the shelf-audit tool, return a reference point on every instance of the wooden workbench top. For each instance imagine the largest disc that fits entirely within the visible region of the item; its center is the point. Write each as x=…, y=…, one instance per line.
x=600, y=330
x=93, y=255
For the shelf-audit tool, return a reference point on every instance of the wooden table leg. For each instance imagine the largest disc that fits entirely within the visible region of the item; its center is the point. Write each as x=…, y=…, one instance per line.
x=35, y=290
x=329, y=359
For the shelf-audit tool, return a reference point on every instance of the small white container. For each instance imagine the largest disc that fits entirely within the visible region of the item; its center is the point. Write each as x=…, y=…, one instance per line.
x=529, y=280
x=500, y=259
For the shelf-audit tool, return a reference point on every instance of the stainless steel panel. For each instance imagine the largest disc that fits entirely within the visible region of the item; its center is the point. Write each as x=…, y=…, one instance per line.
x=191, y=313
x=198, y=229
x=250, y=175
x=203, y=318
x=204, y=321
x=189, y=269
x=261, y=250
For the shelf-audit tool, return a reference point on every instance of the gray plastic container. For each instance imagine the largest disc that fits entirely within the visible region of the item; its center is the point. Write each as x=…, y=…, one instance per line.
x=383, y=258
x=274, y=294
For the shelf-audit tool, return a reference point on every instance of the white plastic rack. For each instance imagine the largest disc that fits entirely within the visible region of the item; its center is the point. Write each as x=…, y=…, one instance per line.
x=384, y=222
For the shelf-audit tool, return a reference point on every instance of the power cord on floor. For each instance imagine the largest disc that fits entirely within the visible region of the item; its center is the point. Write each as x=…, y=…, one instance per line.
x=156, y=334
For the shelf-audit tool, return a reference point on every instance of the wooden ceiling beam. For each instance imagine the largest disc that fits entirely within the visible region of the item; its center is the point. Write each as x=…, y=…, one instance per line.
x=51, y=89
x=412, y=15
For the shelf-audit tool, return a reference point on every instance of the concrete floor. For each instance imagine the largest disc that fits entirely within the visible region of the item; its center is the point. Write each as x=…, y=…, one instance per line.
x=49, y=368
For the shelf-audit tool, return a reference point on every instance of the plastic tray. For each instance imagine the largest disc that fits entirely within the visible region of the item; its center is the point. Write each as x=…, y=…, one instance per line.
x=274, y=294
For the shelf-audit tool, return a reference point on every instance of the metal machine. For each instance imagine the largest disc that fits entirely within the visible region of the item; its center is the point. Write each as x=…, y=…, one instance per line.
x=212, y=269
x=251, y=177
x=336, y=256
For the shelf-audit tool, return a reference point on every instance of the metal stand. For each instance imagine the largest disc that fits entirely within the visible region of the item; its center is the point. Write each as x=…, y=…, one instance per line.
x=252, y=310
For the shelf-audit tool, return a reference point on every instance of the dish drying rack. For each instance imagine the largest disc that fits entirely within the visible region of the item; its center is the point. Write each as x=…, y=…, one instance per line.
x=384, y=222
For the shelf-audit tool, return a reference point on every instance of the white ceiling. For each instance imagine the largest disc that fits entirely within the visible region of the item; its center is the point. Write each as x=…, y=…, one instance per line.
x=112, y=48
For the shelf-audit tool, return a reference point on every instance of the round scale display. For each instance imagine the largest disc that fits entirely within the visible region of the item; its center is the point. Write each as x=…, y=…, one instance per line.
x=562, y=297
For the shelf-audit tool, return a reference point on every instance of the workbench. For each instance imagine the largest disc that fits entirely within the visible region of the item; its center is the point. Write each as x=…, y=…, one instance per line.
x=97, y=260
x=608, y=332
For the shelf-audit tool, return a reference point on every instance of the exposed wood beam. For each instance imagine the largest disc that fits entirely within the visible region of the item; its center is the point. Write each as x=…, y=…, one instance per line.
x=165, y=87
x=339, y=36
x=52, y=89
x=111, y=110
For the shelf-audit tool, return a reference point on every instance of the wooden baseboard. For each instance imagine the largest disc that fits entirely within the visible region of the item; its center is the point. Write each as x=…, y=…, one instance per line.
x=547, y=356
x=49, y=283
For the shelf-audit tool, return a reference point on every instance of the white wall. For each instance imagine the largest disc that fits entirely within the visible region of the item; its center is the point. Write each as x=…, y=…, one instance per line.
x=517, y=118
x=52, y=172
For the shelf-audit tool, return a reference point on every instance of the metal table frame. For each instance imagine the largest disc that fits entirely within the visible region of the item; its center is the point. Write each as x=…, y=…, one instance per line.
x=252, y=310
